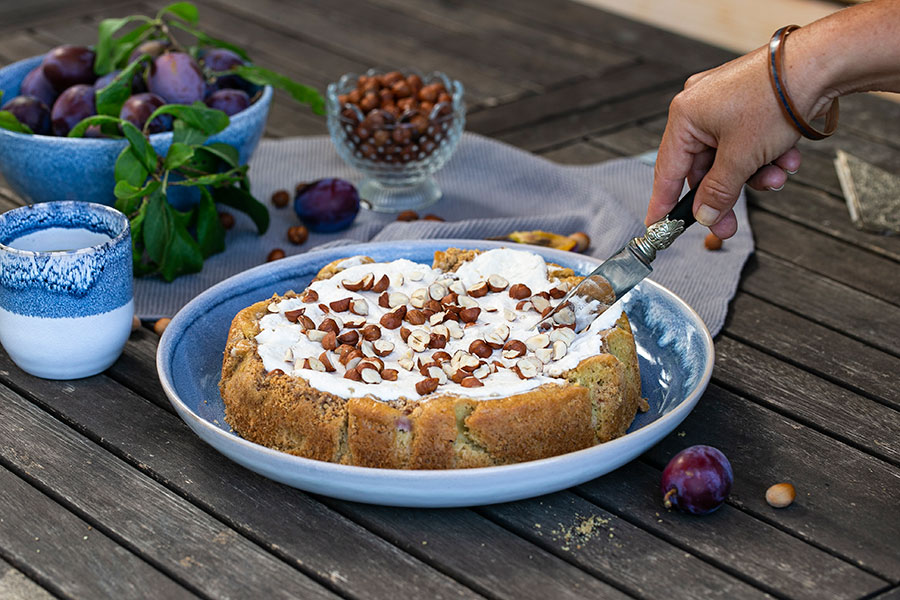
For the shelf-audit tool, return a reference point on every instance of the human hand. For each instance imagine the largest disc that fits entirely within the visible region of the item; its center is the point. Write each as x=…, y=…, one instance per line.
x=724, y=129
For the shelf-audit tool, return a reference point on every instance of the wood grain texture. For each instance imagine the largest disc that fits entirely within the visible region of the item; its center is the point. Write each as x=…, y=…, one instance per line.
x=162, y=528
x=63, y=551
x=846, y=500
x=828, y=302
x=825, y=257
x=829, y=408
x=759, y=552
x=15, y=585
x=820, y=350
x=283, y=520
x=613, y=549
x=479, y=553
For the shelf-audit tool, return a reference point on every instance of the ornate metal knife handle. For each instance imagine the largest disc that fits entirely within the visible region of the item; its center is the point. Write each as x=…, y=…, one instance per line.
x=661, y=234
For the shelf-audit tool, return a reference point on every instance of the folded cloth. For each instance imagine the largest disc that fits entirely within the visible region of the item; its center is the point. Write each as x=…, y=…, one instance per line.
x=490, y=189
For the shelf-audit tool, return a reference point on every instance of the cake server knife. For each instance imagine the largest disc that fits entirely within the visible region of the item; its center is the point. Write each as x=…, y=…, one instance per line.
x=620, y=272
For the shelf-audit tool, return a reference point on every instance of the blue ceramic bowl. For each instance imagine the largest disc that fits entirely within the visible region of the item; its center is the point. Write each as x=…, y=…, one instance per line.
x=675, y=352
x=43, y=168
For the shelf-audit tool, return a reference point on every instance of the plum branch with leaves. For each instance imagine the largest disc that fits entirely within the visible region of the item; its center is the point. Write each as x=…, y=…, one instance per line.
x=167, y=241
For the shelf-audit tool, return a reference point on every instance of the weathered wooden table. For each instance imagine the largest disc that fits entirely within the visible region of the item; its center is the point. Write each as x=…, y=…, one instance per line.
x=105, y=493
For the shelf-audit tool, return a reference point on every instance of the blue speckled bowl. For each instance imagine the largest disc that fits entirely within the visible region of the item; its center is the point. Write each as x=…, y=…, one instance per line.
x=43, y=168
x=675, y=352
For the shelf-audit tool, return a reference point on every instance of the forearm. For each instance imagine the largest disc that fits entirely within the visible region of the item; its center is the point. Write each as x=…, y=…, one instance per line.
x=853, y=50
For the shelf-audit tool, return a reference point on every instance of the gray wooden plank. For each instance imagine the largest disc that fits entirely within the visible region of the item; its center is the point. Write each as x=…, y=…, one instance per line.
x=831, y=303
x=621, y=82
x=17, y=15
x=615, y=550
x=846, y=500
x=399, y=43
x=730, y=538
x=615, y=114
x=579, y=153
x=871, y=116
x=64, y=552
x=292, y=525
x=160, y=526
x=825, y=214
x=820, y=350
x=509, y=43
x=479, y=553
x=583, y=22
x=891, y=594
x=813, y=401
x=20, y=45
x=14, y=585
x=823, y=255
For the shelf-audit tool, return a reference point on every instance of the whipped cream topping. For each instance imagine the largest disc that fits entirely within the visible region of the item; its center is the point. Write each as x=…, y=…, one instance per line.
x=483, y=342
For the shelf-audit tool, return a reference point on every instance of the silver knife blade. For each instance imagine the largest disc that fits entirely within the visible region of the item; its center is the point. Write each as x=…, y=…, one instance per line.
x=602, y=288
x=606, y=284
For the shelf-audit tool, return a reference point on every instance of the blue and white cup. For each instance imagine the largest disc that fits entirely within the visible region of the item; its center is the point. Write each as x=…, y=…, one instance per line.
x=66, y=302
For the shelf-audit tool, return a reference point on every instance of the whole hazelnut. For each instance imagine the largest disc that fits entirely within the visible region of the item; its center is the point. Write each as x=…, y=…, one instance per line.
x=297, y=234
x=369, y=101
x=582, y=241
x=275, y=254
x=407, y=215
x=226, y=219
x=712, y=241
x=281, y=198
x=430, y=217
x=135, y=323
x=780, y=495
x=161, y=325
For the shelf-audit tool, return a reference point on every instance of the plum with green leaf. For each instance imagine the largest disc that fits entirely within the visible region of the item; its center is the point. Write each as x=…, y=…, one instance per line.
x=138, y=108
x=30, y=112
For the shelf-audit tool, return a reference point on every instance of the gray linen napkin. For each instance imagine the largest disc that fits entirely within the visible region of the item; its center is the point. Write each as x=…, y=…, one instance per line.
x=490, y=189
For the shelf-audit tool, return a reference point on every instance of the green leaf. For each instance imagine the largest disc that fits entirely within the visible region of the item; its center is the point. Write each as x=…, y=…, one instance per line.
x=127, y=43
x=198, y=115
x=301, y=93
x=130, y=169
x=9, y=121
x=167, y=240
x=225, y=152
x=243, y=201
x=210, y=233
x=140, y=146
x=126, y=191
x=211, y=41
x=109, y=100
x=182, y=133
x=182, y=10
x=227, y=177
x=178, y=155
x=81, y=127
x=106, y=44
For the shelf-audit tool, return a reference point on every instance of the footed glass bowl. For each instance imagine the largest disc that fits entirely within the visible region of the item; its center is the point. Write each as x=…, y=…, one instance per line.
x=398, y=127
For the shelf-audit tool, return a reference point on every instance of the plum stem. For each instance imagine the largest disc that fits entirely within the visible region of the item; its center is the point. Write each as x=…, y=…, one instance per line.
x=667, y=499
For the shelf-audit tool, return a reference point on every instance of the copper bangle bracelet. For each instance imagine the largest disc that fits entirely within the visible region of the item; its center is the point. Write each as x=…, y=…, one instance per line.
x=776, y=77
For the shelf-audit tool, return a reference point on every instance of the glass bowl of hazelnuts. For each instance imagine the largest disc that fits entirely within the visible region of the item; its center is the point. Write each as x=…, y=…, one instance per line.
x=398, y=127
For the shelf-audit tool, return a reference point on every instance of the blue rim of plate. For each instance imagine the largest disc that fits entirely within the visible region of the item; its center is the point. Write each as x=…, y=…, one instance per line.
x=417, y=488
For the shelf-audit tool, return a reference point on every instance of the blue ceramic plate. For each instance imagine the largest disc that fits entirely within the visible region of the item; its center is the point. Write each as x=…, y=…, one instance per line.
x=675, y=352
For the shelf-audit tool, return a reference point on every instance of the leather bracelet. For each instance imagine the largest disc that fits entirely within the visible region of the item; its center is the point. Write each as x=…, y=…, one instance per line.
x=776, y=77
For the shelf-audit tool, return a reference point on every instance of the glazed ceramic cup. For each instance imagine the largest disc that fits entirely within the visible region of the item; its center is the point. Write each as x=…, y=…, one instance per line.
x=66, y=302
